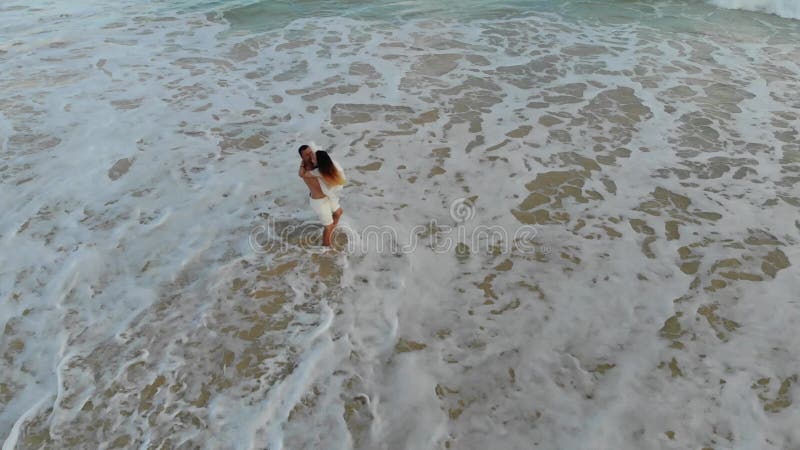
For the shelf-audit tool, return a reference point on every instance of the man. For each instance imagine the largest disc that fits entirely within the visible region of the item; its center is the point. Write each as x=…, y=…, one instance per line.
x=327, y=208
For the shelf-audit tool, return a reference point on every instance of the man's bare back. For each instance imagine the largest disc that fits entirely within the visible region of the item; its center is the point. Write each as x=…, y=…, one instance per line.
x=311, y=181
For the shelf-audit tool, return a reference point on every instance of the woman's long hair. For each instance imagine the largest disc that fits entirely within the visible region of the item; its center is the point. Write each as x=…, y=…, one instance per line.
x=330, y=174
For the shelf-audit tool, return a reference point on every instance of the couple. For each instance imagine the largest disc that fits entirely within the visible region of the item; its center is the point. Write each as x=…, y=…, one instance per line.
x=324, y=178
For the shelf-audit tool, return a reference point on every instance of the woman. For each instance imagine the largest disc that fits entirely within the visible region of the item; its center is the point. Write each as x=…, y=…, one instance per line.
x=330, y=173
x=331, y=179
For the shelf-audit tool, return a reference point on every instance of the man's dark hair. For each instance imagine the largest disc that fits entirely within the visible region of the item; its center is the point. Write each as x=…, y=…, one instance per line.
x=302, y=147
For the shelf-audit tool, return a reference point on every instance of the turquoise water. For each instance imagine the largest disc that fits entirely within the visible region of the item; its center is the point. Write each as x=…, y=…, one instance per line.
x=686, y=15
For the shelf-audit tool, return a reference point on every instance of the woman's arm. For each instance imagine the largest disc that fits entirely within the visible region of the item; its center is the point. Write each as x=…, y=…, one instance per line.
x=303, y=173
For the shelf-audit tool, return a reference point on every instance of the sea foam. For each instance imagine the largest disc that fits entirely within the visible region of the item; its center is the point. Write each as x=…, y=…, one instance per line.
x=655, y=309
x=784, y=8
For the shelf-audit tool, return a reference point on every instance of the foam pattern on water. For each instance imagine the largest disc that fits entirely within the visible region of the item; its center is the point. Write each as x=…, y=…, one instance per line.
x=659, y=169
x=784, y=8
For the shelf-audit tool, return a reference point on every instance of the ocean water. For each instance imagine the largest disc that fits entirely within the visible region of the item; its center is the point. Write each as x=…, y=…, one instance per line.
x=568, y=225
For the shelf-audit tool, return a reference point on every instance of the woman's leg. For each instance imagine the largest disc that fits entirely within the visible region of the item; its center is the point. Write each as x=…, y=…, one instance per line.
x=326, y=234
x=336, y=215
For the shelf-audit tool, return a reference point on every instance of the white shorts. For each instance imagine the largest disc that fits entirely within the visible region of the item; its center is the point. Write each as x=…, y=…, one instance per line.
x=325, y=207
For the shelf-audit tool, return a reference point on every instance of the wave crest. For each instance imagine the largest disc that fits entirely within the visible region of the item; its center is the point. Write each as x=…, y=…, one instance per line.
x=789, y=9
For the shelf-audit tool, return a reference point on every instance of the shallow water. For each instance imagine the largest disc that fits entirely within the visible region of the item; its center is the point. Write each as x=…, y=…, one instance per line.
x=148, y=157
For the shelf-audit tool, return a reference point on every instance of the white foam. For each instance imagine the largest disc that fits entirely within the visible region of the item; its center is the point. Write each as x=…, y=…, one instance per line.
x=784, y=8
x=123, y=280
